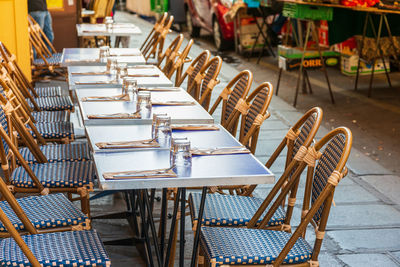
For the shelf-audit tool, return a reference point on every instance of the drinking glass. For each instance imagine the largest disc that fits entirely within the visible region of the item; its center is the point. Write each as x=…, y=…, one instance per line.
x=171, y=150
x=112, y=66
x=163, y=131
x=181, y=156
x=122, y=71
x=109, y=23
x=154, y=123
x=129, y=87
x=104, y=53
x=143, y=104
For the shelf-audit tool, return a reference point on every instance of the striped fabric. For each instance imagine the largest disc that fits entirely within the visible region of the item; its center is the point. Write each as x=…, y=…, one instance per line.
x=4, y=124
x=326, y=165
x=230, y=210
x=48, y=91
x=59, y=174
x=51, y=116
x=55, y=129
x=59, y=153
x=304, y=132
x=50, y=211
x=206, y=80
x=68, y=249
x=255, y=108
x=55, y=59
x=232, y=245
x=53, y=103
x=236, y=94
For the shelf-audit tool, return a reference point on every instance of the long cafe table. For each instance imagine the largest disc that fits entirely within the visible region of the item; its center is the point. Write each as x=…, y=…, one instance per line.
x=179, y=114
x=118, y=29
x=90, y=56
x=77, y=78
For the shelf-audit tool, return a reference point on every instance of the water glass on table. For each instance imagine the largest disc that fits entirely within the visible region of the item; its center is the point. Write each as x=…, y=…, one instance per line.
x=154, y=124
x=143, y=104
x=163, y=131
x=122, y=71
x=112, y=66
x=129, y=87
x=109, y=23
x=104, y=53
x=181, y=157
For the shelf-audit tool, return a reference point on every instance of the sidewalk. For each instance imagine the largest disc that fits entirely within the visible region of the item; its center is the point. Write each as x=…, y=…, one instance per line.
x=363, y=228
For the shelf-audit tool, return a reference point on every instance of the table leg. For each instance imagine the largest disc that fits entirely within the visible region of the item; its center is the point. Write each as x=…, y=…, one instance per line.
x=152, y=226
x=172, y=229
x=182, y=230
x=198, y=227
x=361, y=48
x=145, y=232
x=163, y=222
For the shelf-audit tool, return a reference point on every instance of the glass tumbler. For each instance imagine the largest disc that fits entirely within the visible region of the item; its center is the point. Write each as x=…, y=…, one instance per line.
x=143, y=104
x=154, y=124
x=122, y=71
x=104, y=53
x=112, y=65
x=109, y=23
x=129, y=87
x=171, y=150
x=163, y=131
x=181, y=157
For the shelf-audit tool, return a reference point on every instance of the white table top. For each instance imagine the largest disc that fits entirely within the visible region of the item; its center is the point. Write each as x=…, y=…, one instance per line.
x=199, y=139
x=119, y=29
x=161, y=81
x=90, y=56
x=213, y=170
x=179, y=114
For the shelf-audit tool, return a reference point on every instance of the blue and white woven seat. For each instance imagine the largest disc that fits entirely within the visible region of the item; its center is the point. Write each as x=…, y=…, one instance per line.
x=51, y=116
x=48, y=91
x=56, y=130
x=59, y=153
x=230, y=210
x=50, y=211
x=58, y=174
x=55, y=59
x=73, y=248
x=53, y=103
x=227, y=245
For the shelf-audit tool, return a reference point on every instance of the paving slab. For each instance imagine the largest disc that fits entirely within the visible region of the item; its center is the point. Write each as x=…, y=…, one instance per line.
x=389, y=185
x=370, y=260
x=371, y=240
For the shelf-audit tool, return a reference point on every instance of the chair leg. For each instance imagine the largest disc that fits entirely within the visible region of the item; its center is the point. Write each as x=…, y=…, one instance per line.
x=174, y=240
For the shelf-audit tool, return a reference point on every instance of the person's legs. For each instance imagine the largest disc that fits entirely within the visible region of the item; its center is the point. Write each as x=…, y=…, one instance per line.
x=48, y=27
x=39, y=17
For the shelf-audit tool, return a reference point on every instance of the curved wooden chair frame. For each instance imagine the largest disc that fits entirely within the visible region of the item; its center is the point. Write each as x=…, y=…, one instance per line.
x=170, y=54
x=180, y=61
x=210, y=79
x=155, y=45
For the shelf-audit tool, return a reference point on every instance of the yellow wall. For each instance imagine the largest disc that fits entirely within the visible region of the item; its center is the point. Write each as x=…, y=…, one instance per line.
x=14, y=31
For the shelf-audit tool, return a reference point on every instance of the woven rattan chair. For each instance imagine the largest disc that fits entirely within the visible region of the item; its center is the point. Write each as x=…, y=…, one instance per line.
x=177, y=66
x=210, y=79
x=44, y=178
x=170, y=54
x=226, y=246
x=70, y=248
x=233, y=100
x=18, y=75
x=47, y=103
x=155, y=43
x=240, y=211
x=41, y=214
x=192, y=72
x=154, y=31
x=101, y=8
x=47, y=59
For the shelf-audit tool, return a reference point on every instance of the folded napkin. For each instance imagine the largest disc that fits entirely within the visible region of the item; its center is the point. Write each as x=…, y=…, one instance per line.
x=115, y=116
x=99, y=82
x=95, y=31
x=82, y=60
x=220, y=151
x=195, y=127
x=143, y=75
x=105, y=98
x=160, y=89
x=142, y=67
x=128, y=144
x=158, y=173
x=91, y=73
x=173, y=103
x=126, y=55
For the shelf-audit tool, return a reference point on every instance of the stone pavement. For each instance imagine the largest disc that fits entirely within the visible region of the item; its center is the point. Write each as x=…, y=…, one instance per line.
x=364, y=227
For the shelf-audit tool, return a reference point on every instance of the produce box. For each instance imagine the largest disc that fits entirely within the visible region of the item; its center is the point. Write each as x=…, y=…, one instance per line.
x=349, y=64
x=248, y=32
x=297, y=52
x=309, y=63
x=300, y=11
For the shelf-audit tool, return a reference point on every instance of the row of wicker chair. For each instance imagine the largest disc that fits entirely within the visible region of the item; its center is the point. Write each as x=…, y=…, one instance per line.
x=240, y=229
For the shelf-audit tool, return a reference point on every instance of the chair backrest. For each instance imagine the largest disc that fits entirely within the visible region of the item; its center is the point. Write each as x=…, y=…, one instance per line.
x=156, y=29
x=170, y=54
x=155, y=46
x=40, y=36
x=258, y=103
x=330, y=155
x=233, y=98
x=180, y=61
x=102, y=9
x=13, y=150
x=192, y=72
x=210, y=74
